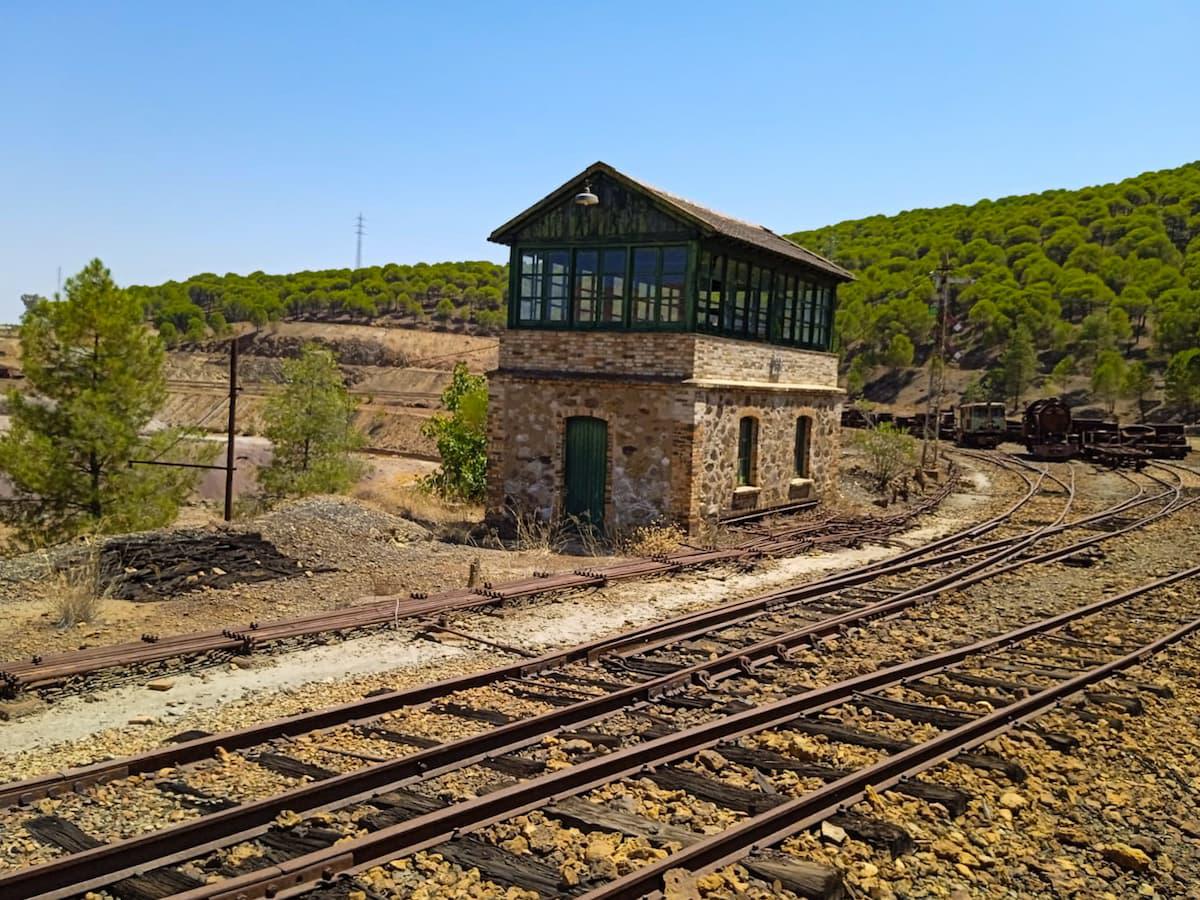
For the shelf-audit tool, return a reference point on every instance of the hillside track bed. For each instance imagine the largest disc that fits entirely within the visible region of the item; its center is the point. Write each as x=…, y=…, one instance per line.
x=155, y=654
x=507, y=722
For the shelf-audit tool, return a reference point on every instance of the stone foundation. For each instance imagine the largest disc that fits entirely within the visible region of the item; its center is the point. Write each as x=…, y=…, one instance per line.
x=672, y=404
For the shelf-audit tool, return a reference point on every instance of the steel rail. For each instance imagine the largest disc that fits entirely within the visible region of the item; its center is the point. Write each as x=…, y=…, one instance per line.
x=111, y=862
x=785, y=820
x=18, y=674
x=61, y=782
x=296, y=876
x=58, y=783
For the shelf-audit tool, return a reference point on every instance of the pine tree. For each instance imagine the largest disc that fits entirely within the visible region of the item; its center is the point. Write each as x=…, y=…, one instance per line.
x=1019, y=364
x=310, y=424
x=94, y=377
x=1138, y=385
x=1108, y=376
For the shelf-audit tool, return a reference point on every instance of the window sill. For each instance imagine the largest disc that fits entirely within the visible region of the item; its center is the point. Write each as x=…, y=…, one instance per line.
x=800, y=488
x=746, y=496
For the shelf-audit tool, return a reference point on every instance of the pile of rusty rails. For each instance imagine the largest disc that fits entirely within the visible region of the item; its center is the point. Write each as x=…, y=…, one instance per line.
x=775, y=538
x=406, y=821
x=633, y=682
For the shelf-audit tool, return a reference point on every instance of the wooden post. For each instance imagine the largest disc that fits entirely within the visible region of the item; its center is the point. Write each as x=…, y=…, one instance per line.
x=231, y=439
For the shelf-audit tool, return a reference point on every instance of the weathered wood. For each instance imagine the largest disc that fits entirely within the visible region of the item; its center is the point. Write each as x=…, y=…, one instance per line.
x=413, y=740
x=1131, y=705
x=56, y=831
x=1016, y=689
x=846, y=735
x=915, y=712
x=504, y=868
x=154, y=885
x=293, y=768
x=196, y=799
x=803, y=878
x=940, y=690
x=953, y=799
x=730, y=796
x=587, y=816
x=596, y=738
x=884, y=835
x=490, y=716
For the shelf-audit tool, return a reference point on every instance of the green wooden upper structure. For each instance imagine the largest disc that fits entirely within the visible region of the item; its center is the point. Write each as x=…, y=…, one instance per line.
x=643, y=259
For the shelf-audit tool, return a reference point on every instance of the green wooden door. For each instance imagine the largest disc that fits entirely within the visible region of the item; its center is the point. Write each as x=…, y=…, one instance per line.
x=586, y=468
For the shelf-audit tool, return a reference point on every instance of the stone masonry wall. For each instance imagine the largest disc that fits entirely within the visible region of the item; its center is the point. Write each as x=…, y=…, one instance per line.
x=663, y=354
x=672, y=445
x=719, y=413
x=726, y=359
x=649, y=446
x=598, y=352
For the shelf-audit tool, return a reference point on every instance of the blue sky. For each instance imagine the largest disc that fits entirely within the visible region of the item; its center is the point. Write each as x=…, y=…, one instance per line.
x=171, y=139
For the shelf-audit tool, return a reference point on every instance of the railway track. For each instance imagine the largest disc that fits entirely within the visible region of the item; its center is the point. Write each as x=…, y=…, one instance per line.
x=153, y=652
x=678, y=677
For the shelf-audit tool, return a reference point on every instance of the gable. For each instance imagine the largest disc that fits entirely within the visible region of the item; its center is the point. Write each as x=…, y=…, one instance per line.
x=622, y=214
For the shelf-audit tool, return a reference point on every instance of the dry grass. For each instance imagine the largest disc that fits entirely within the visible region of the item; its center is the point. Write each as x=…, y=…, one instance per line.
x=650, y=540
x=75, y=592
x=405, y=497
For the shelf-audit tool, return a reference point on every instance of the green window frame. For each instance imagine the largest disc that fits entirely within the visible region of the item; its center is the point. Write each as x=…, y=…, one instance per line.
x=543, y=287
x=710, y=290
x=747, y=458
x=658, y=280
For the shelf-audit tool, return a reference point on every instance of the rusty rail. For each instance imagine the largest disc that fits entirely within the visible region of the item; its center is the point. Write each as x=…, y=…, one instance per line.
x=94, y=868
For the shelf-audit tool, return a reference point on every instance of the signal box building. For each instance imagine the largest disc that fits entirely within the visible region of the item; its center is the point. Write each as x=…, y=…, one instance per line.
x=662, y=362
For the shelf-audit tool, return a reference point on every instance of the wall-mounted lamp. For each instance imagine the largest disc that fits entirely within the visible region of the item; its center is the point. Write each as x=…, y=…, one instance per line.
x=586, y=198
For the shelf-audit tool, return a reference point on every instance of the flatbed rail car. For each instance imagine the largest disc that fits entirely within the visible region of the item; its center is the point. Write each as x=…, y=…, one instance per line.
x=1109, y=448
x=980, y=425
x=1163, y=441
x=1046, y=430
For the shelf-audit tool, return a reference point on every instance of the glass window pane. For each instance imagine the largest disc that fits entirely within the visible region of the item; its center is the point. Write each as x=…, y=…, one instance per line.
x=671, y=302
x=529, y=309
x=645, y=287
x=557, y=287
x=735, y=320
x=716, y=288
x=763, y=320
x=675, y=259
x=612, y=287
x=586, y=286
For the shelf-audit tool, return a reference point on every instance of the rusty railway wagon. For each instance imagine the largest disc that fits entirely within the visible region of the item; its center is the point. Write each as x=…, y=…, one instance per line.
x=1166, y=440
x=1046, y=429
x=980, y=425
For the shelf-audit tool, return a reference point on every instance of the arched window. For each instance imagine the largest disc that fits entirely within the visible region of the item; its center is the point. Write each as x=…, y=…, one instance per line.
x=747, y=461
x=803, y=440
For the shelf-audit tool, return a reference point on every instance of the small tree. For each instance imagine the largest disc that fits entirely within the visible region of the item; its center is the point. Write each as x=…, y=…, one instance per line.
x=1019, y=364
x=444, y=309
x=310, y=424
x=461, y=438
x=1138, y=385
x=1108, y=377
x=888, y=451
x=1060, y=375
x=94, y=373
x=1183, y=382
x=899, y=352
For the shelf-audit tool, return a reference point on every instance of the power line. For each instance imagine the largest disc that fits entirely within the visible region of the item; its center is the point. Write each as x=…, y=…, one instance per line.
x=358, y=230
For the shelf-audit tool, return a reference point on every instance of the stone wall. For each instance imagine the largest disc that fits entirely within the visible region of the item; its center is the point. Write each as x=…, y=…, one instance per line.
x=638, y=353
x=665, y=355
x=726, y=359
x=649, y=446
x=719, y=414
x=673, y=403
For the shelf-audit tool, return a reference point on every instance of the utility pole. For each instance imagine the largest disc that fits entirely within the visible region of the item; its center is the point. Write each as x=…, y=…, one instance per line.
x=358, y=230
x=231, y=434
x=931, y=436
x=231, y=431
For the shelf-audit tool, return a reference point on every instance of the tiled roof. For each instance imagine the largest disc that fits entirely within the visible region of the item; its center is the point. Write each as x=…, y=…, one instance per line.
x=708, y=220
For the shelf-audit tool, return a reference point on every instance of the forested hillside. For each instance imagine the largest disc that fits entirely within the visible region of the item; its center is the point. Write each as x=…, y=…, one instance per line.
x=470, y=292
x=1104, y=281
